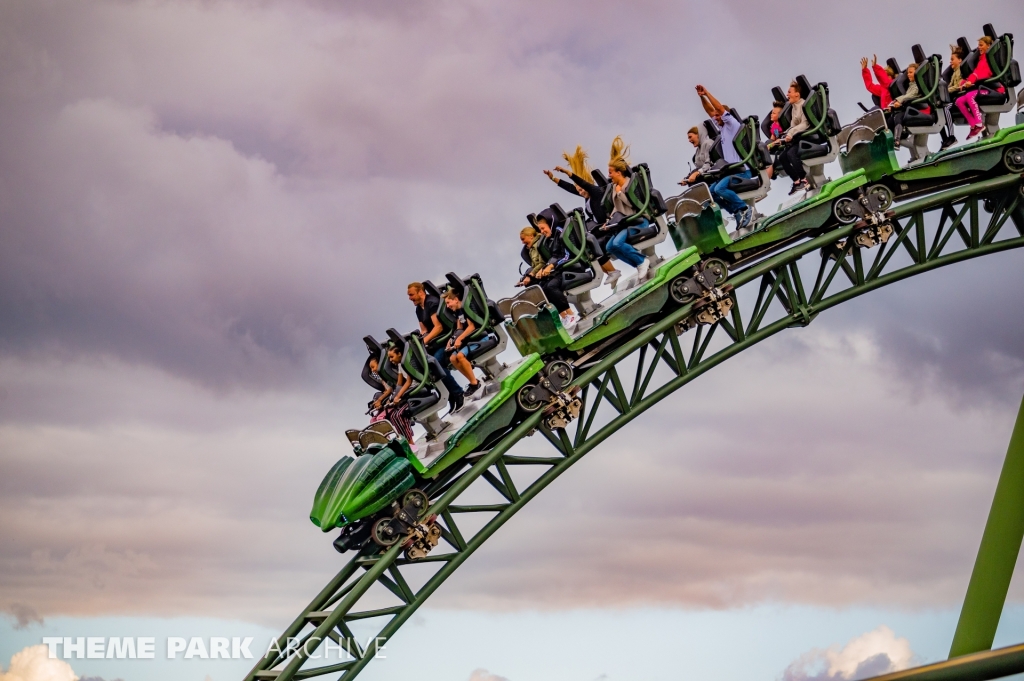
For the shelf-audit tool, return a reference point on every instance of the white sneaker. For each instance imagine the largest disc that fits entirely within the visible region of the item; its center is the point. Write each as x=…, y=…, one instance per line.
x=611, y=277
x=569, y=321
x=641, y=270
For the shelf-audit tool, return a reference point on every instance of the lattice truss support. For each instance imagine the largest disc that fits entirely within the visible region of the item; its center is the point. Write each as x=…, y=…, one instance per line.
x=657, y=360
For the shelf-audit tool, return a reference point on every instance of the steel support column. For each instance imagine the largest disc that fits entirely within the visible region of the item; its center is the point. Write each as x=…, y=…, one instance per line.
x=997, y=555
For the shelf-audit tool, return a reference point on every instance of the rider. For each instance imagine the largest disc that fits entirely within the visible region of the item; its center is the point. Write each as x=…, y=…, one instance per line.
x=622, y=208
x=790, y=156
x=776, y=137
x=698, y=137
x=967, y=103
x=593, y=195
x=721, y=190
x=896, y=107
x=880, y=90
x=395, y=410
x=430, y=328
x=457, y=343
x=542, y=250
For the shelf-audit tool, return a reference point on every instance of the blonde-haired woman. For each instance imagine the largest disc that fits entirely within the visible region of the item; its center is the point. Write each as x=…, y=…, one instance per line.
x=593, y=195
x=622, y=208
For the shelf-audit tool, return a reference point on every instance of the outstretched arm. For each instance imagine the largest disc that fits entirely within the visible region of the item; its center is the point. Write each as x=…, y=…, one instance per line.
x=716, y=105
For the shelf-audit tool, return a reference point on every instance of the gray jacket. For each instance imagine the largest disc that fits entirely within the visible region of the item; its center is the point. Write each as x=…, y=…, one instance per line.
x=702, y=158
x=797, y=120
x=913, y=92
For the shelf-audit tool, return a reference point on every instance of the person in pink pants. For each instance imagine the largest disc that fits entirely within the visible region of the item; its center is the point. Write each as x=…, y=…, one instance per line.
x=967, y=103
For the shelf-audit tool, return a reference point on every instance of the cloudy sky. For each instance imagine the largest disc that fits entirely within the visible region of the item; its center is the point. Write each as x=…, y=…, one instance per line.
x=205, y=205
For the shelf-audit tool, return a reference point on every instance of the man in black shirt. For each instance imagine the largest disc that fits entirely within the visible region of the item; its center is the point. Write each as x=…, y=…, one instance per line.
x=431, y=328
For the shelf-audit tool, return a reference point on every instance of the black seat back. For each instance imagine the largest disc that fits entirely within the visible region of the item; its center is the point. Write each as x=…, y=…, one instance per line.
x=748, y=145
x=420, y=366
x=970, y=62
x=929, y=79
x=1005, y=70
x=374, y=350
x=444, y=315
x=478, y=308
x=785, y=116
x=574, y=236
x=816, y=110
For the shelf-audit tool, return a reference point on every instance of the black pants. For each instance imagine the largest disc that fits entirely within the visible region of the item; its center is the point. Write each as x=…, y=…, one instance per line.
x=553, y=290
x=947, y=134
x=790, y=159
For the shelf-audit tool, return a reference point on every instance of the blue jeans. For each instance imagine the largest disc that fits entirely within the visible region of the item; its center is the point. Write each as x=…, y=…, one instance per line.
x=618, y=247
x=724, y=195
x=454, y=389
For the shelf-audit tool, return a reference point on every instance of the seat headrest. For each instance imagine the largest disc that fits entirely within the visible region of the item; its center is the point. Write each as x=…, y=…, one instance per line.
x=431, y=289
x=548, y=216
x=893, y=64
x=804, y=85
x=778, y=94
x=711, y=128
x=456, y=283
x=372, y=346
x=963, y=44
x=599, y=177
x=397, y=339
x=918, y=52
x=735, y=114
x=990, y=31
x=532, y=219
x=559, y=214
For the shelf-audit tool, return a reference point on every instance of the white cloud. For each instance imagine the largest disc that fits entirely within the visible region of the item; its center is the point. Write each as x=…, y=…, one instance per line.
x=34, y=664
x=876, y=652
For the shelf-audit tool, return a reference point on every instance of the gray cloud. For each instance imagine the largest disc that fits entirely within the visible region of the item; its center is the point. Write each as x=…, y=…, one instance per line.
x=23, y=615
x=203, y=206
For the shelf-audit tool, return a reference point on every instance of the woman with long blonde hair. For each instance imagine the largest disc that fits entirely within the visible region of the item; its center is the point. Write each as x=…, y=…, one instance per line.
x=593, y=195
x=622, y=208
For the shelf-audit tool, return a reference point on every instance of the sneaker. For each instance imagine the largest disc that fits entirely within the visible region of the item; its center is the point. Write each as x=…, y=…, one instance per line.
x=743, y=219
x=797, y=186
x=456, y=402
x=472, y=388
x=569, y=321
x=641, y=270
x=611, y=277
x=947, y=143
x=975, y=132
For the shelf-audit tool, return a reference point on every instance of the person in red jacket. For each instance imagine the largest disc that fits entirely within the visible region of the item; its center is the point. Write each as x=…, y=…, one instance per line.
x=966, y=102
x=881, y=88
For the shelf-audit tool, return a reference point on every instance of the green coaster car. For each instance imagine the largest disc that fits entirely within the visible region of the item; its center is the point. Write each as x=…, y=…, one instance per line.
x=383, y=493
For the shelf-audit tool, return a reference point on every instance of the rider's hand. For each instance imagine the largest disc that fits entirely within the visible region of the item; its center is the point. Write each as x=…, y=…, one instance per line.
x=863, y=62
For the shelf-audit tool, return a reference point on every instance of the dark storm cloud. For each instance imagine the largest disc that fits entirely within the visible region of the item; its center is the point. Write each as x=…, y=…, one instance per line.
x=229, y=195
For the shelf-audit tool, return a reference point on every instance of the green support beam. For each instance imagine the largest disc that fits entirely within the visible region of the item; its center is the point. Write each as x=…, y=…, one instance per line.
x=997, y=556
x=769, y=297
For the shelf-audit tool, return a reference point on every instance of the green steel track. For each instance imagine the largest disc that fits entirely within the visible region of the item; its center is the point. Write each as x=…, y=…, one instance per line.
x=769, y=296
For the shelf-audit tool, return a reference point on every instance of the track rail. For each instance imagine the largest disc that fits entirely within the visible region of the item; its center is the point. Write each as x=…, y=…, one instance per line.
x=770, y=296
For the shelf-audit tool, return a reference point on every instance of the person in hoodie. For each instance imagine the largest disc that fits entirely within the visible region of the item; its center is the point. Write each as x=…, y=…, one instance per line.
x=884, y=75
x=698, y=137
